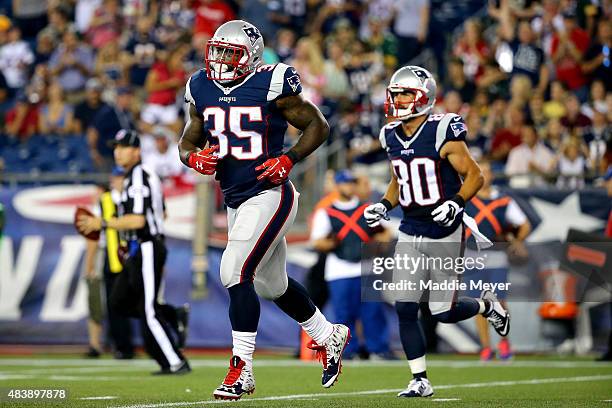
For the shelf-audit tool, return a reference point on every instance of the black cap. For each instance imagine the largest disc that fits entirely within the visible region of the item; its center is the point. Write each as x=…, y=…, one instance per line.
x=126, y=138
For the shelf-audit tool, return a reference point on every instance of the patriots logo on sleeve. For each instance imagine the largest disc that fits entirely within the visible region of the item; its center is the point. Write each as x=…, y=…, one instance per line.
x=458, y=128
x=294, y=81
x=252, y=33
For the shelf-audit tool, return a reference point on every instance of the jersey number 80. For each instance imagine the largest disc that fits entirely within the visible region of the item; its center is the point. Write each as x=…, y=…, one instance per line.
x=221, y=125
x=417, y=181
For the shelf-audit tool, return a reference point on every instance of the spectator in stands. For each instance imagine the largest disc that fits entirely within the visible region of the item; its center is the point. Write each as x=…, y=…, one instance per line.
x=59, y=23
x=285, y=44
x=574, y=120
x=452, y=103
x=83, y=14
x=22, y=120
x=597, y=99
x=596, y=61
x=139, y=53
x=411, y=27
x=15, y=57
x=30, y=16
x=596, y=138
x=509, y=137
x=529, y=162
x=165, y=78
x=72, y=63
x=554, y=108
x=336, y=80
x=86, y=111
x=569, y=44
x=44, y=48
x=472, y=49
x=106, y=24
x=571, y=165
x=308, y=61
x=476, y=140
x=363, y=69
x=109, y=66
x=55, y=116
x=521, y=91
x=285, y=14
x=107, y=122
x=536, y=112
x=5, y=102
x=382, y=41
x=209, y=15
x=554, y=135
x=527, y=58
x=164, y=158
x=457, y=81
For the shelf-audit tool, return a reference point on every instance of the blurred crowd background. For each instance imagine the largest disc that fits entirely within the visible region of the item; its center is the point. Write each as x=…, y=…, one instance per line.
x=532, y=78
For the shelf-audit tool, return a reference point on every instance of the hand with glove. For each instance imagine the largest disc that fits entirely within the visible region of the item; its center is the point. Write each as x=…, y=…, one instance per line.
x=204, y=161
x=446, y=213
x=373, y=213
x=276, y=170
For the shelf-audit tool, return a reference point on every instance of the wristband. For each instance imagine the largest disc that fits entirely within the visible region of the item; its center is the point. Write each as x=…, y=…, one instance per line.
x=387, y=204
x=459, y=200
x=293, y=156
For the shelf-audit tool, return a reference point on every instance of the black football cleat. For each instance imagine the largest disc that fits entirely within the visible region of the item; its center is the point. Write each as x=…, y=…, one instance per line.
x=330, y=354
x=496, y=314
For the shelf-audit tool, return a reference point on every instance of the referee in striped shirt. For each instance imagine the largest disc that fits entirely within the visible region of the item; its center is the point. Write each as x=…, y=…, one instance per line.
x=141, y=223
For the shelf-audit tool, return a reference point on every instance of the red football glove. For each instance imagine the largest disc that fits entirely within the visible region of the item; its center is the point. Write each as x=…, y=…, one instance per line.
x=276, y=170
x=204, y=161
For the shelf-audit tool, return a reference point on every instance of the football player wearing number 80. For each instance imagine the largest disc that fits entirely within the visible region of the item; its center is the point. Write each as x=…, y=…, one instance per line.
x=239, y=110
x=433, y=175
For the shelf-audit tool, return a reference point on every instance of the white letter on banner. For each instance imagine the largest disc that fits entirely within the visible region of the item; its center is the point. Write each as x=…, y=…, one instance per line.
x=56, y=296
x=16, y=278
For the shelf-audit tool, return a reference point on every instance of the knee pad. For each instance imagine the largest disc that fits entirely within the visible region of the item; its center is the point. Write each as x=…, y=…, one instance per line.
x=271, y=290
x=407, y=311
x=231, y=266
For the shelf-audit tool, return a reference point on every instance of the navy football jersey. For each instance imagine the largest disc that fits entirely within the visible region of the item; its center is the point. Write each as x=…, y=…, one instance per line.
x=246, y=125
x=425, y=179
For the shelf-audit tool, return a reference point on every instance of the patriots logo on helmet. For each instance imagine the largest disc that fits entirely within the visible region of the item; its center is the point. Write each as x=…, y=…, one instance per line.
x=458, y=128
x=252, y=33
x=294, y=81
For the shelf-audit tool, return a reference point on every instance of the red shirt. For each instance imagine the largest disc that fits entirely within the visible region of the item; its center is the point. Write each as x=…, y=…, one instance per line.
x=29, y=126
x=210, y=16
x=568, y=69
x=505, y=135
x=167, y=96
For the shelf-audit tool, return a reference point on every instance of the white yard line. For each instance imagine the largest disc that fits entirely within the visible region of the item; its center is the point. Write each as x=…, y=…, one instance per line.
x=87, y=365
x=381, y=391
x=105, y=397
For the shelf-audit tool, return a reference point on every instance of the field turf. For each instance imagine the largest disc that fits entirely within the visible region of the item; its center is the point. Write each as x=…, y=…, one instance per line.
x=458, y=382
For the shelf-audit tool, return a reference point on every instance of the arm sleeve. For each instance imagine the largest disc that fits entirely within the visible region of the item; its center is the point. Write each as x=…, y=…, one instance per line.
x=515, y=215
x=188, y=96
x=452, y=128
x=285, y=81
x=321, y=226
x=382, y=137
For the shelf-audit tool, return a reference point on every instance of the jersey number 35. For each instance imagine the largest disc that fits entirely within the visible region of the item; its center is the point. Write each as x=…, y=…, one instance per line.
x=222, y=125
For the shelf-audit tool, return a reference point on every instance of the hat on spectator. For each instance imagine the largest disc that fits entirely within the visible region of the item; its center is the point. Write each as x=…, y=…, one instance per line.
x=93, y=84
x=5, y=23
x=344, y=176
x=126, y=137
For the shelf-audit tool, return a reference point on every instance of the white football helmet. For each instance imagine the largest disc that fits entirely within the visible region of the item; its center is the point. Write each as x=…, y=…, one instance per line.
x=411, y=79
x=234, y=51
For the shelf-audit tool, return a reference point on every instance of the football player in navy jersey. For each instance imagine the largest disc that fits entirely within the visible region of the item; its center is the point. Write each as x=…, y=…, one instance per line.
x=238, y=114
x=433, y=175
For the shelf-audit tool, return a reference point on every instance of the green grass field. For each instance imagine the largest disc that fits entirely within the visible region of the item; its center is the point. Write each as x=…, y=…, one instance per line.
x=458, y=382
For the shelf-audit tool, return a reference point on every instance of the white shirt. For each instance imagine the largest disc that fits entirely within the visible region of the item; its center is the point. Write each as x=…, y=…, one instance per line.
x=14, y=60
x=166, y=164
x=520, y=157
x=335, y=268
x=408, y=18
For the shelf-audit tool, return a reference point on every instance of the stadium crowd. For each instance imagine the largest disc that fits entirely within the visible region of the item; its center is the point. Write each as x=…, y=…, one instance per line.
x=532, y=78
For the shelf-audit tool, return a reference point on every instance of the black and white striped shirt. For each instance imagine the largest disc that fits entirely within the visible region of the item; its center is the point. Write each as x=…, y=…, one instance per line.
x=142, y=194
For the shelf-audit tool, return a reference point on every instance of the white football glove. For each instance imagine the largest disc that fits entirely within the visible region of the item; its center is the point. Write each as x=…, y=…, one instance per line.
x=446, y=213
x=373, y=213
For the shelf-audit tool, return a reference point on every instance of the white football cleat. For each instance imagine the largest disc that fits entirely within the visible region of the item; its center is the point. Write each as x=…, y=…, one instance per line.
x=418, y=387
x=497, y=315
x=238, y=381
x=330, y=354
